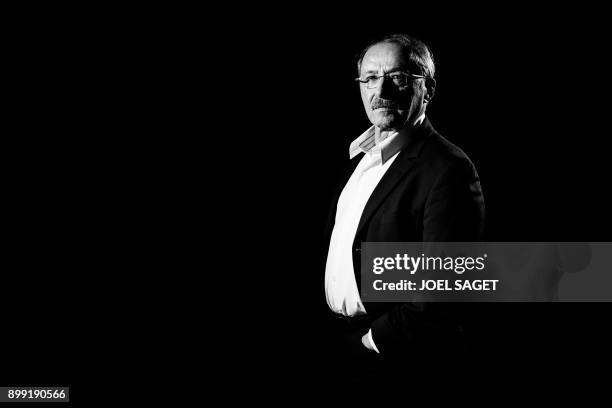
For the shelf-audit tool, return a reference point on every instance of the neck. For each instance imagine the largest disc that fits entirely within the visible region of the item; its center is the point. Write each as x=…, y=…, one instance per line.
x=380, y=135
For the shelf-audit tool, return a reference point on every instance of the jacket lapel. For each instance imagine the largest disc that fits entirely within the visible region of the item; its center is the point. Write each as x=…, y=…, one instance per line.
x=402, y=164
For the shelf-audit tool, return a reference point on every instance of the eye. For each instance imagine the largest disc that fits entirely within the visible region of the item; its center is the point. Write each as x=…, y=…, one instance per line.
x=398, y=79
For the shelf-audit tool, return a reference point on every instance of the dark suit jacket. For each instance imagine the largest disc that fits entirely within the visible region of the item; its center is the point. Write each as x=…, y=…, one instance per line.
x=431, y=193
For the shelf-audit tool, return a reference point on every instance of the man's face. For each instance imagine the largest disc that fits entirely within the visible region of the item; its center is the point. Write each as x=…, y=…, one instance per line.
x=388, y=106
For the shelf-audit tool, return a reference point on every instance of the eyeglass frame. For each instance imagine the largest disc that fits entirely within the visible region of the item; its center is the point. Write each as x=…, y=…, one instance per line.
x=378, y=77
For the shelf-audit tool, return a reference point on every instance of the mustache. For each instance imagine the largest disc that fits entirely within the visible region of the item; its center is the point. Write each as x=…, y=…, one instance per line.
x=384, y=103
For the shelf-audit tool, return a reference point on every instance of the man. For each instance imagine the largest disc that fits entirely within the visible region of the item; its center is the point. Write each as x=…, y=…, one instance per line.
x=406, y=183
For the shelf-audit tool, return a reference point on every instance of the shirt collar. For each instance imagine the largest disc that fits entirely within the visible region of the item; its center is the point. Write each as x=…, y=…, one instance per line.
x=387, y=147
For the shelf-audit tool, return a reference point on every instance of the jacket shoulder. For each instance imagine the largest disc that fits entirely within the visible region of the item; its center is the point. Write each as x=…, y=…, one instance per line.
x=441, y=154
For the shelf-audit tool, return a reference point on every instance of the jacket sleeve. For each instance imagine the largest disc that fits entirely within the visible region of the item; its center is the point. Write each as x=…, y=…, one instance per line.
x=453, y=212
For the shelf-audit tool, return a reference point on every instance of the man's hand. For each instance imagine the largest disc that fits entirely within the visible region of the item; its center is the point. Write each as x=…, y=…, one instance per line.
x=365, y=339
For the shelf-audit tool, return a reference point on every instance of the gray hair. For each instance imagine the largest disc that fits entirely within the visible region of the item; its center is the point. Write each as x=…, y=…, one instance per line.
x=420, y=56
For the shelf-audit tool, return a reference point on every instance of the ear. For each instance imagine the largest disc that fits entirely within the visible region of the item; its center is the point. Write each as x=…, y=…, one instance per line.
x=430, y=89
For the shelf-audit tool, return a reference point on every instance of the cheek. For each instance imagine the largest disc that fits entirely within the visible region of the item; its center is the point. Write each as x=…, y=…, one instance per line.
x=365, y=98
x=417, y=95
x=411, y=99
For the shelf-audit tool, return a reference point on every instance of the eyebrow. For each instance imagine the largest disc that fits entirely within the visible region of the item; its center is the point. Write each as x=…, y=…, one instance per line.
x=371, y=71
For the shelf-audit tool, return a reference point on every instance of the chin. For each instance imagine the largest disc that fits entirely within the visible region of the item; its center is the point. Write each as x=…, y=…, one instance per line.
x=388, y=122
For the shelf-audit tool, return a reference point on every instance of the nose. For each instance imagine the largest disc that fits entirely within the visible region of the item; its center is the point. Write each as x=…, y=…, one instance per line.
x=384, y=88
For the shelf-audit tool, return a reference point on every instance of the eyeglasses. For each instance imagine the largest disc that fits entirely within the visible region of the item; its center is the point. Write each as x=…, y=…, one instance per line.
x=399, y=78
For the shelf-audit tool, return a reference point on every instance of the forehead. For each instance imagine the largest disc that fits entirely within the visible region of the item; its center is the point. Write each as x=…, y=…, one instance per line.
x=384, y=55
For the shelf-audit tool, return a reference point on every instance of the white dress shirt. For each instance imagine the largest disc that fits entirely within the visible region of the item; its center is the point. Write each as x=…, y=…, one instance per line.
x=381, y=150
